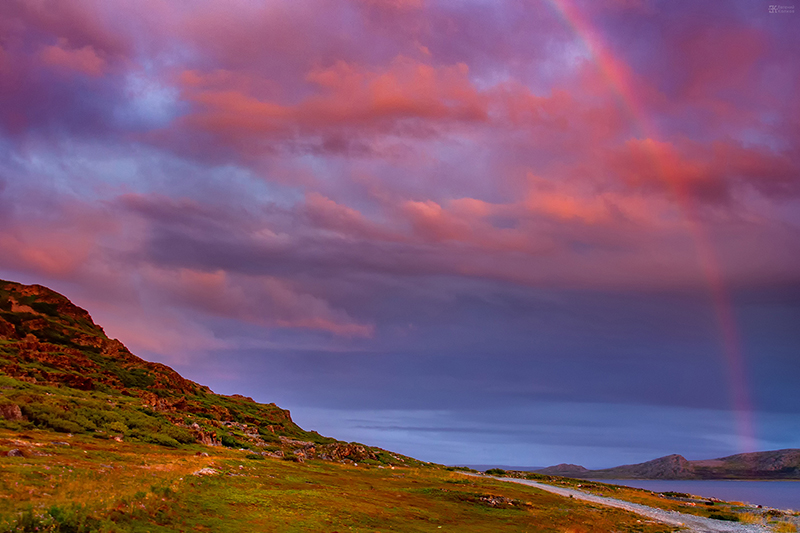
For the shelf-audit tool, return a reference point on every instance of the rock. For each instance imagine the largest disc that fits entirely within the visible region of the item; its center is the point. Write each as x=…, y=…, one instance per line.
x=16, y=452
x=339, y=451
x=201, y=454
x=209, y=439
x=205, y=472
x=11, y=412
x=60, y=443
x=7, y=329
x=245, y=398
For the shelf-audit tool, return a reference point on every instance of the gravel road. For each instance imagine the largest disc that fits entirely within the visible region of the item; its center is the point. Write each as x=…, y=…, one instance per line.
x=697, y=524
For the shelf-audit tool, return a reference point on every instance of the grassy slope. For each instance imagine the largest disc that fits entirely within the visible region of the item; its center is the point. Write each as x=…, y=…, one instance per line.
x=144, y=487
x=65, y=374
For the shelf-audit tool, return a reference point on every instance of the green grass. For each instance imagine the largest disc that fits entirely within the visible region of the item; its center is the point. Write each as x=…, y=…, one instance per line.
x=112, y=486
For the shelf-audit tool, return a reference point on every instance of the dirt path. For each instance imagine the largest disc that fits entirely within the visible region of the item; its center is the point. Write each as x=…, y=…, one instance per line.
x=696, y=524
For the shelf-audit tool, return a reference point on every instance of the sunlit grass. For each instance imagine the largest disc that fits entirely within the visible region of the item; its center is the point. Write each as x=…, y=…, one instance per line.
x=143, y=487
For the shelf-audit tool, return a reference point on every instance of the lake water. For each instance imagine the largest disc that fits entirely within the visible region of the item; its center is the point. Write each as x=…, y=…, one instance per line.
x=777, y=494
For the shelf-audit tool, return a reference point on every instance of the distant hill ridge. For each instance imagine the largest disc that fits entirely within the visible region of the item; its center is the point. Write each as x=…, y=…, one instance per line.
x=59, y=371
x=777, y=464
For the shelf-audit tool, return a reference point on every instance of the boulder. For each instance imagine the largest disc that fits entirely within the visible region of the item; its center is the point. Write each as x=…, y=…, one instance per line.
x=11, y=412
x=205, y=472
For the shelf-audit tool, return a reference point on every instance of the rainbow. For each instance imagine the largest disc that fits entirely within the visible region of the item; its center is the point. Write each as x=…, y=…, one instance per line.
x=619, y=80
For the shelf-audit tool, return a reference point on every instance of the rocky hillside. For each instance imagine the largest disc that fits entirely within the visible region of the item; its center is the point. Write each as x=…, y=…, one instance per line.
x=669, y=467
x=778, y=464
x=59, y=371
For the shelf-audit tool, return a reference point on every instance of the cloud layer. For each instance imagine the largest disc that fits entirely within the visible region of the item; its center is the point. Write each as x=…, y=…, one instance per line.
x=460, y=185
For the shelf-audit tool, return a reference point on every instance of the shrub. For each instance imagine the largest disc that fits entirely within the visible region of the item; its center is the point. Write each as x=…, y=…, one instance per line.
x=229, y=442
x=496, y=472
x=134, y=377
x=75, y=519
x=117, y=427
x=179, y=434
x=751, y=518
x=50, y=417
x=730, y=517
x=267, y=435
x=154, y=438
x=45, y=308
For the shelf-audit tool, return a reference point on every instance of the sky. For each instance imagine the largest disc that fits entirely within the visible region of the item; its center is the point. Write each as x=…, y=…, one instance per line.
x=508, y=232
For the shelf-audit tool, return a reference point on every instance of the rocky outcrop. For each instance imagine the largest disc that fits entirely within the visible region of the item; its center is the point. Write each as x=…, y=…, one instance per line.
x=342, y=451
x=7, y=329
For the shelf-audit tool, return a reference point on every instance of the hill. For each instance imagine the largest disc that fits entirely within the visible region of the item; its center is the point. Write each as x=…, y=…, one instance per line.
x=563, y=469
x=60, y=371
x=778, y=464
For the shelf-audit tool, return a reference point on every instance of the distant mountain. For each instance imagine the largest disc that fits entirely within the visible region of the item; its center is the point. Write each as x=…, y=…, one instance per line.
x=669, y=467
x=59, y=371
x=563, y=469
x=778, y=464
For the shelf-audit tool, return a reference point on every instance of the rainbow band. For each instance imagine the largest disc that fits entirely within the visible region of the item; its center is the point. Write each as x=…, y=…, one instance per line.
x=664, y=161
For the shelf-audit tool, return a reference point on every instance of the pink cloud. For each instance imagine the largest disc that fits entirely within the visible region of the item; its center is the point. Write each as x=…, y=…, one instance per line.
x=58, y=246
x=394, y=4
x=326, y=214
x=76, y=24
x=347, y=95
x=446, y=133
x=262, y=300
x=48, y=254
x=718, y=60
x=407, y=89
x=707, y=171
x=84, y=60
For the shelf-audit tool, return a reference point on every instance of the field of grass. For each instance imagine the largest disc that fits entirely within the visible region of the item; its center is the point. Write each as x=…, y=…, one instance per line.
x=82, y=484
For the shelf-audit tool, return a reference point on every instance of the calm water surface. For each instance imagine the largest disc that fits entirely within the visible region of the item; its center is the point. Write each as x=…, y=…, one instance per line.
x=778, y=494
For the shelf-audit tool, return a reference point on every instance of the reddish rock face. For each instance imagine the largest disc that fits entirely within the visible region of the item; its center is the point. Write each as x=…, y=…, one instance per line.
x=7, y=329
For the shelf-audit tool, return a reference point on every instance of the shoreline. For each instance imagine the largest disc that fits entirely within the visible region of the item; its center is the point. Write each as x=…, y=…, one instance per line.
x=694, y=523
